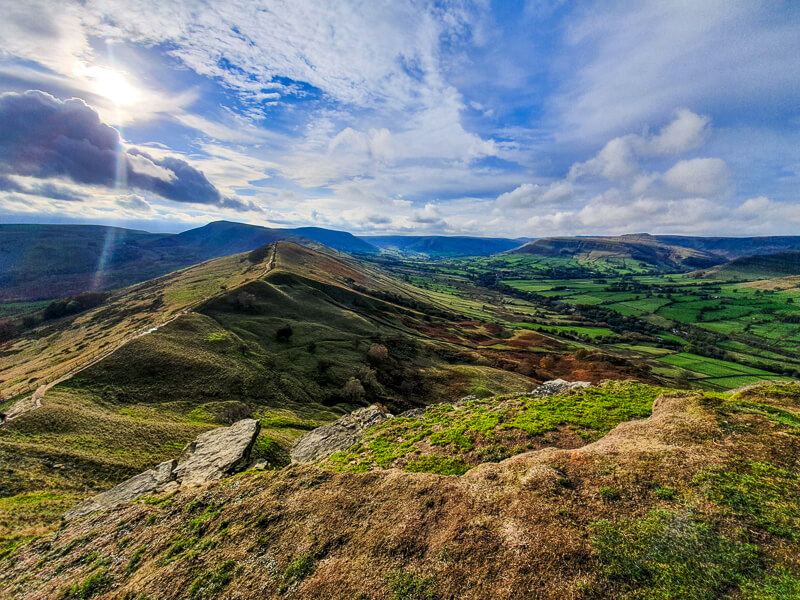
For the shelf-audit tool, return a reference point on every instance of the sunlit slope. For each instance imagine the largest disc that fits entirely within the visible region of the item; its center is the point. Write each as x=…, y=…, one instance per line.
x=44, y=354
x=288, y=335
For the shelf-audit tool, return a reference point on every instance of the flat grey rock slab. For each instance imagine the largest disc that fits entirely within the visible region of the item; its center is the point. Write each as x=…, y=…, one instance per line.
x=337, y=436
x=127, y=491
x=217, y=453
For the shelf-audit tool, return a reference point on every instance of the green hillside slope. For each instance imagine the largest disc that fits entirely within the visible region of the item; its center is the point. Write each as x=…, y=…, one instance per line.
x=641, y=247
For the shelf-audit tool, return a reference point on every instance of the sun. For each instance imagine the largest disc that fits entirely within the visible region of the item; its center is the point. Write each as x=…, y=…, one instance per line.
x=109, y=83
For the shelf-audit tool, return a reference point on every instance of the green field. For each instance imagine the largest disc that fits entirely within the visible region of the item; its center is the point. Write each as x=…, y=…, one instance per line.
x=731, y=329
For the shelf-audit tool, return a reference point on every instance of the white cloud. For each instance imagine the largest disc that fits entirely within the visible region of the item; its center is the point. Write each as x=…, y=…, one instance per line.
x=532, y=194
x=687, y=132
x=698, y=176
x=631, y=63
x=617, y=160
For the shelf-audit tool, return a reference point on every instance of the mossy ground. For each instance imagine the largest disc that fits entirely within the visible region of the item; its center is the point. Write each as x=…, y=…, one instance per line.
x=489, y=430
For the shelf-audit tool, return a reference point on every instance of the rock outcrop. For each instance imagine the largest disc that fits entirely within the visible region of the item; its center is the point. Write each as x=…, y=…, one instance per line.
x=217, y=453
x=557, y=386
x=213, y=455
x=127, y=491
x=339, y=435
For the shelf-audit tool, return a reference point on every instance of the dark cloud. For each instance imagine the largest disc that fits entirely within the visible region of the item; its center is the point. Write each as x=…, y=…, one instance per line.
x=56, y=192
x=9, y=185
x=46, y=189
x=134, y=202
x=41, y=136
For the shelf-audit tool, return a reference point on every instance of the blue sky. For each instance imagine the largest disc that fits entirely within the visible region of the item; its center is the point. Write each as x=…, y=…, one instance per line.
x=500, y=119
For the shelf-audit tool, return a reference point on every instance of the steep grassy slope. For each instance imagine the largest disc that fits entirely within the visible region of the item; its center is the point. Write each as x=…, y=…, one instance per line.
x=699, y=501
x=288, y=335
x=642, y=247
x=46, y=352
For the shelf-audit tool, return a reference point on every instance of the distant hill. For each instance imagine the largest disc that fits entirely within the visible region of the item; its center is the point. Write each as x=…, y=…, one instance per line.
x=440, y=245
x=762, y=266
x=643, y=247
x=340, y=240
x=734, y=247
x=50, y=261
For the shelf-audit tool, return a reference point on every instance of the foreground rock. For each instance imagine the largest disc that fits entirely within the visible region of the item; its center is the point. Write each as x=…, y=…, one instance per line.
x=339, y=435
x=213, y=455
x=127, y=491
x=557, y=386
x=217, y=453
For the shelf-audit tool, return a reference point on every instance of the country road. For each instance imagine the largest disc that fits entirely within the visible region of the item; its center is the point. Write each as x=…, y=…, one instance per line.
x=34, y=401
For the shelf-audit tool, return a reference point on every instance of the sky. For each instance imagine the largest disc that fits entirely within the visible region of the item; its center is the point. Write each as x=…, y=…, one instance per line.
x=509, y=118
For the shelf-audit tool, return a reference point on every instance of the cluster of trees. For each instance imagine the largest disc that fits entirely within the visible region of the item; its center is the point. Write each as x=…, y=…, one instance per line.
x=71, y=306
x=63, y=307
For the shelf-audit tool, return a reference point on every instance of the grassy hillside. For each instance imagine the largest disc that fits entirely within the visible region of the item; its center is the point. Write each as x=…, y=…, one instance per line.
x=47, y=261
x=763, y=266
x=54, y=261
x=708, y=484
x=293, y=337
x=735, y=247
x=640, y=247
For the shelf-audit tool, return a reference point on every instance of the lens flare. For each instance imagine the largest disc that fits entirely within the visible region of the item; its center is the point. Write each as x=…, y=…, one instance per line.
x=109, y=83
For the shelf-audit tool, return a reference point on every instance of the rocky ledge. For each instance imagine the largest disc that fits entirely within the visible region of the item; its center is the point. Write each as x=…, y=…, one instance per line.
x=339, y=435
x=213, y=455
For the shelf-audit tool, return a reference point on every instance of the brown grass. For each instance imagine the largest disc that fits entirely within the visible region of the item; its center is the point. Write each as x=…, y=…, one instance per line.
x=515, y=529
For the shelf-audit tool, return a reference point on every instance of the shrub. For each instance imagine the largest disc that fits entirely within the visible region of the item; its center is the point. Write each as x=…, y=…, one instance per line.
x=353, y=390
x=284, y=333
x=377, y=353
x=246, y=300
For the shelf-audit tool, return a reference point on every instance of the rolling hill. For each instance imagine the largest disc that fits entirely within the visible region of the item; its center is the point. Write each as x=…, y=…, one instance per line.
x=340, y=240
x=734, y=247
x=441, y=246
x=52, y=261
x=762, y=266
x=291, y=335
x=640, y=247
x=482, y=489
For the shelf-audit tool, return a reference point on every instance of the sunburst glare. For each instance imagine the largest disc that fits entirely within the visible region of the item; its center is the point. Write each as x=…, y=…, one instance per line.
x=109, y=83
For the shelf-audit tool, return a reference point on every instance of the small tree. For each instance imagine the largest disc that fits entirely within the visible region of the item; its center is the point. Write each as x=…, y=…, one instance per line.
x=246, y=300
x=377, y=353
x=353, y=390
x=284, y=333
x=7, y=330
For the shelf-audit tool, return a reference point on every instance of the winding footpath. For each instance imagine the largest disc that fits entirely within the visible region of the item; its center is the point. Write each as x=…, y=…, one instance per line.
x=34, y=401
